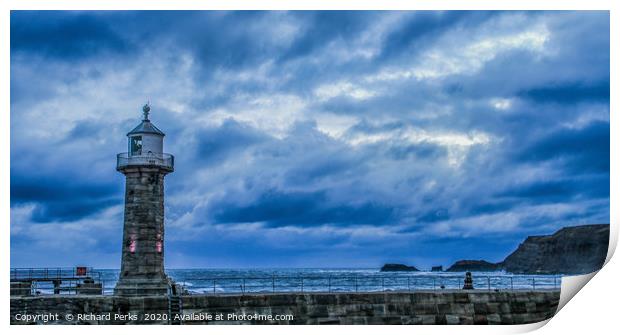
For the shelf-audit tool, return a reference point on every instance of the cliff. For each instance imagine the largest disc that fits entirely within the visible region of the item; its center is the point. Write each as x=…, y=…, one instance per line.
x=571, y=250
x=471, y=265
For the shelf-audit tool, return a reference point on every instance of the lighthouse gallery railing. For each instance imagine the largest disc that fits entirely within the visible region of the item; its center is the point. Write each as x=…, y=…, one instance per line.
x=160, y=160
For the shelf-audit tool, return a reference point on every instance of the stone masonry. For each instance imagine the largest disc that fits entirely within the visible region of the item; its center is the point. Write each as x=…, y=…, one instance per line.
x=402, y=308
x=142, y=267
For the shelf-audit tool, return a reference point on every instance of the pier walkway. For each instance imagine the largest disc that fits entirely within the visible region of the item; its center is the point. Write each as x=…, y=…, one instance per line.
x=77, y=280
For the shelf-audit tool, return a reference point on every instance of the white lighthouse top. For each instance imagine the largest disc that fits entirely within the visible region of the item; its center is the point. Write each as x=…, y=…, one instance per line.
x=145, y=146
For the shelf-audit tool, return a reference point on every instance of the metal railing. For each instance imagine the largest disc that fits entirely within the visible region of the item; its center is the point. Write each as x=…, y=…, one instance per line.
x=300, y=284
x=165, y=161
x=65, y=287
x=43, y=283
x=37, y=281
x=50, y=274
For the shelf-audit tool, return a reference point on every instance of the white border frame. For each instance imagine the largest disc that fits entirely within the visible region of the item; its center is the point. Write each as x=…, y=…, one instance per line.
x=593, y=310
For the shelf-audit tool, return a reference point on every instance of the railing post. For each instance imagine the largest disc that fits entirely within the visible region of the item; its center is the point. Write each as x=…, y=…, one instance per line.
x=512, y=287
x=273, y=283
x=489, y=282
x=302, y=284
x=533, y=283
x=408, y=286
x=355, y=283
x=329, y=284
x=243, y=285
x=213, y=286
x=382, y=284
x=434, y=287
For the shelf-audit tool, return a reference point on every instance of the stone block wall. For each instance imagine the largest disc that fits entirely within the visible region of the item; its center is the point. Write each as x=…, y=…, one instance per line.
x=403, y=308
x=456, y=307
x=21, y=288
x=142, y=265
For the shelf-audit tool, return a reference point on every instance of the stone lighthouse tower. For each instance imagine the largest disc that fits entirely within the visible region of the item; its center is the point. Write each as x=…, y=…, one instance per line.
x=144, y=166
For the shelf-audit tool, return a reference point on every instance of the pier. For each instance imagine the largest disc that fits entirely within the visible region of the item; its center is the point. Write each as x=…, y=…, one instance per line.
x=35, y=281
x=346, y=308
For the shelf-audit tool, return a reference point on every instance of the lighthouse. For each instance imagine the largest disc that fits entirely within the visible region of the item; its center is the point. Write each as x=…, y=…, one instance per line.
x=144, y=165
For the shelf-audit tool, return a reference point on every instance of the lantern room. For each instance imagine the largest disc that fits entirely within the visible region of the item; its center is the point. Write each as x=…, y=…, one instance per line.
x=145, y=139
x=145, y=146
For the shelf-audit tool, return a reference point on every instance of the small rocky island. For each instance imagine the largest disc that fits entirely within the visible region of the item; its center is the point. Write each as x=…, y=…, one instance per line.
x=570, y=250
x=398, y=267
x=473, y=265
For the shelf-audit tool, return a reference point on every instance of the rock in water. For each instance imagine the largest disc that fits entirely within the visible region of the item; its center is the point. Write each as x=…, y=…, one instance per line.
x=398, y=267
x=473, y=265
x=571, y=250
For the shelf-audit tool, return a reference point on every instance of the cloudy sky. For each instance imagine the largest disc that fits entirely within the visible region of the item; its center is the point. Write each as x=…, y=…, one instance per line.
x=310, y=139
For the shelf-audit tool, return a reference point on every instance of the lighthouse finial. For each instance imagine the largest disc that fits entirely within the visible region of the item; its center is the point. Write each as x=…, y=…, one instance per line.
x=146, y=109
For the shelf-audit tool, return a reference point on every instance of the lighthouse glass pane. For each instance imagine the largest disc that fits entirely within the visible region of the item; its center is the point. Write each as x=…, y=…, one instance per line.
x=135, y=145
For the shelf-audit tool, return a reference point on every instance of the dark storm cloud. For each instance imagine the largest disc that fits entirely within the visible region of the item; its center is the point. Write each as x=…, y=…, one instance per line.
x=214, y=47
x=69, y=210
x=561, y=190
x=585, y=150
x=374, y=134
x=414, y=36
x=277, y=209
x=569, y=93
x=231, y=138
x=60, y=197
x=65, y=188
x=420, y=151
x=495, y=205
x=64, y=35
x=323, y=27
x=314, y=171
x=434, y=216
x=29, y=187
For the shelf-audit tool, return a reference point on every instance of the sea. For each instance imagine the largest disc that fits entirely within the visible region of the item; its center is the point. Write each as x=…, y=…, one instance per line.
x=264, y=280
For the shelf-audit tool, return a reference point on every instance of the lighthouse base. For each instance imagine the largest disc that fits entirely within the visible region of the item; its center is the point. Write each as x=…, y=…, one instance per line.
x=142, y=286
